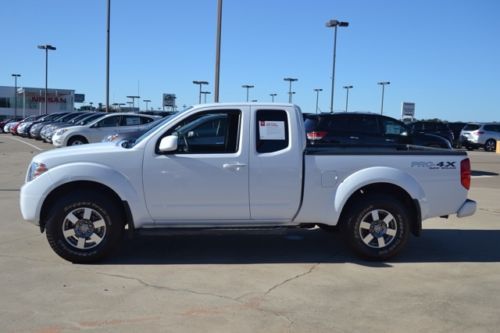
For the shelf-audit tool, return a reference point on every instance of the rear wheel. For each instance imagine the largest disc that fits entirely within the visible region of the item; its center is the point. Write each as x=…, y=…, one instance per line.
x=490, y=145
x=377, y=226
x=84, y=227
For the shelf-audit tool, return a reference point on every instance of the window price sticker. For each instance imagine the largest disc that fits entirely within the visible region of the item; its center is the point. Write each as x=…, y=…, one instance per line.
x=271, y=130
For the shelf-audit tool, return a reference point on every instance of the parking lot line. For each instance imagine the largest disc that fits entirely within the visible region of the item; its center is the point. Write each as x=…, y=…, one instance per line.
x=29, y=144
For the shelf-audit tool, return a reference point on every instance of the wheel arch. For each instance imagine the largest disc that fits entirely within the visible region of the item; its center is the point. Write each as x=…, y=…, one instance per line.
x=392, y=190
x=81, y=185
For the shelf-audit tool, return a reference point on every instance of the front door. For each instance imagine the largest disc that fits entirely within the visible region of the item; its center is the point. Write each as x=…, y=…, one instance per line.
x=206, y=178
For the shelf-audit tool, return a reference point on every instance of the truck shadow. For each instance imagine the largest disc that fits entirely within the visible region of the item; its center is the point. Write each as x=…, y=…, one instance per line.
x=301, y=246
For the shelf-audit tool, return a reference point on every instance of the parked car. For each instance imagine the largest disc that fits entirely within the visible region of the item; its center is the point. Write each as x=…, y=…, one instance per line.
x=47, y=120
x=484, y=136
x=78, y=121
x=14, y=126
x=3, y=123
x=252, y=169
x=49, y=130
x=132, y=136
x=97, y=130
x=456, y=128
x=353, y=128
x=431, y=127
x=25, y=128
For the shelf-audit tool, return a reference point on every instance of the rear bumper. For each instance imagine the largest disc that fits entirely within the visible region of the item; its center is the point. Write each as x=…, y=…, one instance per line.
x=468, y=208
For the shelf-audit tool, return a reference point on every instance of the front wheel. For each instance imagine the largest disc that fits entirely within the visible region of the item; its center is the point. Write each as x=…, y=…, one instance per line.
x=84, y=227
x=76, y=141
x=377, y=226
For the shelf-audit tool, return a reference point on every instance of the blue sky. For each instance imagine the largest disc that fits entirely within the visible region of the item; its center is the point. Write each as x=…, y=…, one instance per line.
x=444, y=55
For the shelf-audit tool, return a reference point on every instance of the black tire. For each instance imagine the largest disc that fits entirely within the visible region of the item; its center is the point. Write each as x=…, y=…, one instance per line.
x=84, y=239
x=490, y=145
x=373, y=238
x=77, y=140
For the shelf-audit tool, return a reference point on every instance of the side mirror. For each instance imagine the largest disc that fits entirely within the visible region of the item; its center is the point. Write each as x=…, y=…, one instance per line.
x=168, y=143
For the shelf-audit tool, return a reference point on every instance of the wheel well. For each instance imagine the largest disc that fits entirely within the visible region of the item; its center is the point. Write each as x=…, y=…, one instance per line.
x=78, y=137
x=79, y=186
x=394, y=191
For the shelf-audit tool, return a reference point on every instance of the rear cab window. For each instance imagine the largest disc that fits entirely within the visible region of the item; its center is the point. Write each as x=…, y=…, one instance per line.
x=272, y=131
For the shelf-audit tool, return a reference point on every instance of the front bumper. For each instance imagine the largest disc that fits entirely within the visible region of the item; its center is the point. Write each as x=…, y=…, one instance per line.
x=468, y=208
x=29, y=204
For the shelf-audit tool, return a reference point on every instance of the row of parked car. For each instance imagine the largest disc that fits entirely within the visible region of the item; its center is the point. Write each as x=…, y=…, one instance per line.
x=362, y=128
x=75, y=128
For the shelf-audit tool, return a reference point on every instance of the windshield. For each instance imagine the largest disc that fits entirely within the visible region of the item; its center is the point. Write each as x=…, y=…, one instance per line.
x=88, y=119
x=157, y=125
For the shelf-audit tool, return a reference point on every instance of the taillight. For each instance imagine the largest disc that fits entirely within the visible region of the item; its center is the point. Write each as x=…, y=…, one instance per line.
x=465, y=173
x=477, y=132
x=316, y=135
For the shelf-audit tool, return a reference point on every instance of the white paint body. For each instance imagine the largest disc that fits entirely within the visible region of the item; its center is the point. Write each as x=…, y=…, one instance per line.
x=244, y=188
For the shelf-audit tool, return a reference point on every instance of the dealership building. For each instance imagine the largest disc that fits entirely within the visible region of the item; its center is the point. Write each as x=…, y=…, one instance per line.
x=31, y=101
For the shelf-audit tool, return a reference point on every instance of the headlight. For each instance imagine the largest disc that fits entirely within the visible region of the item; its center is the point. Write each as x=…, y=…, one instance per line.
x=61, y=131
x=36, y=169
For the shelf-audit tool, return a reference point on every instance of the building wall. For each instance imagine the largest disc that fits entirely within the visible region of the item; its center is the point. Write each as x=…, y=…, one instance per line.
x=31, y=101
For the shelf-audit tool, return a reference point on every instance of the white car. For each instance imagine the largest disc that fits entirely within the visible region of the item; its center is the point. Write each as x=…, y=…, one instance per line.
x=99, y=129
x=485, y=136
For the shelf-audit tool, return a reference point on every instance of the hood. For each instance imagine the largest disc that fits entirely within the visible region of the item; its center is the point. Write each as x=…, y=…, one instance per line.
x=83, y=153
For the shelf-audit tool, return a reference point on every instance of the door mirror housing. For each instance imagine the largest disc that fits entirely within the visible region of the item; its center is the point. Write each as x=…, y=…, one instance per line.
x=168, y=144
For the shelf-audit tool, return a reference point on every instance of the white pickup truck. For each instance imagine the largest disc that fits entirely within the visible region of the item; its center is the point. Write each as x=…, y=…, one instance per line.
x=239, y=166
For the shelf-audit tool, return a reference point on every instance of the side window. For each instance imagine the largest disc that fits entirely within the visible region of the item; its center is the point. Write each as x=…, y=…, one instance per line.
x=131, y=121
x=391, y=127
x=213, y=132
x=363, y=124
x=112, y=121
x=272, y=131
x=146, y=120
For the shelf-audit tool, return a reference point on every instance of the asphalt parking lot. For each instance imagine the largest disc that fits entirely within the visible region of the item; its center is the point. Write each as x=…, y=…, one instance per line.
x=298, y=281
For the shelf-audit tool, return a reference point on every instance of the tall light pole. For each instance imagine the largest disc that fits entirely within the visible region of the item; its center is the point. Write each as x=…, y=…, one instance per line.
x=347, y=96
x=290, y=80
x=147, y=101
x=205, y=93
x=46, y=47
x=15, y=76
x=247, y=87
x=317, y=90
x=334, y=24
x=200, y=83
x=217, y=51
x=133, y=99
x=108, y=27
x=272, y=96
x=383, y=84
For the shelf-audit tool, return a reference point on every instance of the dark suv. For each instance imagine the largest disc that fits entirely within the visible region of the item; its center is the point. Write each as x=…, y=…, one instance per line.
x=432, y=127
x=364, y=128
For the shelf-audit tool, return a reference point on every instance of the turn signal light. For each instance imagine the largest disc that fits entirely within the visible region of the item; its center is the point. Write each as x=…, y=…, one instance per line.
x=316, y=135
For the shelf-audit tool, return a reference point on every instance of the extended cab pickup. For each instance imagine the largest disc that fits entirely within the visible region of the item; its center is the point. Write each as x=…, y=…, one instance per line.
x=239, y=166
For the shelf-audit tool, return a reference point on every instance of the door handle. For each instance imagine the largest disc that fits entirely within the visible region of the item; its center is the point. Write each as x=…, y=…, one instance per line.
x=354, y=137
x=233, y=166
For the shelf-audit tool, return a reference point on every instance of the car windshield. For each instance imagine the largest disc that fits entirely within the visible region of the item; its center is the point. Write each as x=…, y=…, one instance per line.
x=470, y=127
x=152, y=129
x=88, y=119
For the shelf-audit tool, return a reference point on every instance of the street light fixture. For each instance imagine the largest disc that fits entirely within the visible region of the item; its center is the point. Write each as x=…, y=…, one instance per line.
x=317, y=90
x=147, y=101
x=108, y=28
x=46, y=47
x=347, y=96
x=15, y=76
x=247, y=87
x=200, y=83
x=383, y=84
x=133, y=99
x=272, y=96
x=205, y=93
x=290, y=80
x=334, y=24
